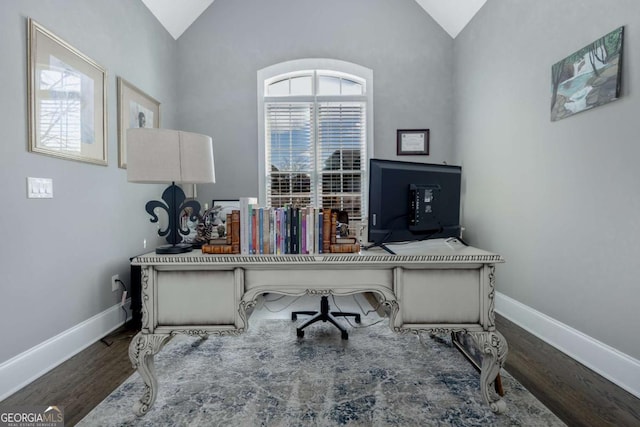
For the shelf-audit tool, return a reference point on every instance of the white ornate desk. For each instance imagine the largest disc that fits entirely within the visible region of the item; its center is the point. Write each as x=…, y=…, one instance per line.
x=431, y=286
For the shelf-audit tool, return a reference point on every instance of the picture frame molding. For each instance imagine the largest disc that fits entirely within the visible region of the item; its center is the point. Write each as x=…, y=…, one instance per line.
x=123, y=87
x=34, y=32
x=408, y=141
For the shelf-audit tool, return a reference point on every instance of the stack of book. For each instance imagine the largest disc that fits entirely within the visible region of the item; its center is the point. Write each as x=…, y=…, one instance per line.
x=345, y=245
x=287, y=230
x=230, y=244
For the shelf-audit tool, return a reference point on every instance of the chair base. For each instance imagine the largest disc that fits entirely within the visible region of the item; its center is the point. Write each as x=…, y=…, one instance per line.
x=325, y=316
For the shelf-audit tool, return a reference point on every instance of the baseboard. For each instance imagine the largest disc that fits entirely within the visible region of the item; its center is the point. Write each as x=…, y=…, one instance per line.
x=24, y=368
x=617, y=367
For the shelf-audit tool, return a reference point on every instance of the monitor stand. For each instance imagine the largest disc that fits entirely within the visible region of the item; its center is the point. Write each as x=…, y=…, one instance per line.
x=380, y=245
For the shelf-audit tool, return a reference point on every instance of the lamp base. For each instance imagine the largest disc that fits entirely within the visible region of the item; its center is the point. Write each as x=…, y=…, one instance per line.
x=178, y=248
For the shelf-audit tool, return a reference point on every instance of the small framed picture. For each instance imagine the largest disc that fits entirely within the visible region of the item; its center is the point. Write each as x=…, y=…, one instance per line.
x=224, y=207
x=218, y=215
x=413, y=142
x=136, y=109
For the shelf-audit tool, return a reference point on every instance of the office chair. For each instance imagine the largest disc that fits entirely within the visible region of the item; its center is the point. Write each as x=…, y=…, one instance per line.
x=325, y=316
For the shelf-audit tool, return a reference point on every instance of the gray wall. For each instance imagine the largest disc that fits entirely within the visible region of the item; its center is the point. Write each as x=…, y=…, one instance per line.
x=559, y=200
x=59, y=254
x=410, y=55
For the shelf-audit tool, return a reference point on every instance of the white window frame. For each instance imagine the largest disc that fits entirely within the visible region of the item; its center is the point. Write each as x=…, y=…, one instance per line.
x=327, y=66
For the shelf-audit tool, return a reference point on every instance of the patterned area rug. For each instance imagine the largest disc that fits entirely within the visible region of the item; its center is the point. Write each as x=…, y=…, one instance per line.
x=268, y=377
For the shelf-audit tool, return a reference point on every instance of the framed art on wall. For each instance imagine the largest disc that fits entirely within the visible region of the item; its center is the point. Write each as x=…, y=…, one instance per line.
x=136, y=109
x=66, y=99
x=412, y=142
x=589, y=77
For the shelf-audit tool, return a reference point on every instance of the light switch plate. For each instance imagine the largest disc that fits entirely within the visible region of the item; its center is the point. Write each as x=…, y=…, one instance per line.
x=39, y=188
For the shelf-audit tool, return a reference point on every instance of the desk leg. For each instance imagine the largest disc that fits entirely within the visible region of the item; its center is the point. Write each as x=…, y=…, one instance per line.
x=141, y=351
x=494, y=350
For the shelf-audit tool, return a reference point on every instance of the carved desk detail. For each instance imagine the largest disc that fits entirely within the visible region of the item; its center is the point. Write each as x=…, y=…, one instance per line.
x=439, y=288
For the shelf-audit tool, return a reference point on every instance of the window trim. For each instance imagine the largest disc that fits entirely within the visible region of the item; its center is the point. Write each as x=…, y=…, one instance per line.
x=267, y=75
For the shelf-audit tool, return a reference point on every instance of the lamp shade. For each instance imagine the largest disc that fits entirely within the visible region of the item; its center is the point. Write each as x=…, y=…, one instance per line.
x=165, y=155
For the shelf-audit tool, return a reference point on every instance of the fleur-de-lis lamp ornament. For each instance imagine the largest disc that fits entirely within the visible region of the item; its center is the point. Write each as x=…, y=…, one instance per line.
x=170, y=156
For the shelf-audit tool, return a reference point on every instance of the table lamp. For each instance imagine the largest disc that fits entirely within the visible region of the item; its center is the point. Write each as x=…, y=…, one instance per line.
x=170, y=156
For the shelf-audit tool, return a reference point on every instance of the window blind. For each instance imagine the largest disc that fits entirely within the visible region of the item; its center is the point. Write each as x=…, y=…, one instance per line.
x=290, y=154
x=341, y=155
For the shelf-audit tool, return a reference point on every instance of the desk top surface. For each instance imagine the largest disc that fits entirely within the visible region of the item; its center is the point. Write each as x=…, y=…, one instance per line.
x=436, y=251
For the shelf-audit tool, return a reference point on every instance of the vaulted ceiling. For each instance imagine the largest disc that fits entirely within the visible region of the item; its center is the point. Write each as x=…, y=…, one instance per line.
x=176, y=16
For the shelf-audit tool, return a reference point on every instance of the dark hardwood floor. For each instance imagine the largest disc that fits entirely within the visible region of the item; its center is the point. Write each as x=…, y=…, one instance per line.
x=82, y=382
x=574, y=393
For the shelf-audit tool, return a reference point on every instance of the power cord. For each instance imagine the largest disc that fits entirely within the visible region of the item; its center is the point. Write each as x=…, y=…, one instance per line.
x=358, y=326
x=264, y=301
x=124, y=297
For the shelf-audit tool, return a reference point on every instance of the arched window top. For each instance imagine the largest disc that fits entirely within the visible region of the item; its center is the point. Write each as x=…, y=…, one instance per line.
x=300, y=77
x=290, y=84
x=314, y=82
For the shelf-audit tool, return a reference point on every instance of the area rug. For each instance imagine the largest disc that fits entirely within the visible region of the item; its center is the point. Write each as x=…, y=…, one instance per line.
x=269, y=377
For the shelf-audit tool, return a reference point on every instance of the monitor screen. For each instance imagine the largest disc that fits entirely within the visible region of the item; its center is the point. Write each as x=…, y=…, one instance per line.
x=412, y=201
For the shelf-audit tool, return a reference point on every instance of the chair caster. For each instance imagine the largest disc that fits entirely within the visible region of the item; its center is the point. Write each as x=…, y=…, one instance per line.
x=299, y=333
x=345, y=335
x=357, y=318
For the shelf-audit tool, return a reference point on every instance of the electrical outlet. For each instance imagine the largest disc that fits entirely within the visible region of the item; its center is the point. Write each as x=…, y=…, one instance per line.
x=144, y=243
x=114, y=282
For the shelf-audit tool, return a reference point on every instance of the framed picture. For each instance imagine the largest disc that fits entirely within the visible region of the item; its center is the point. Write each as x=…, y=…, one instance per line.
x=66, y=99
x=136, y=109
x=222, y=208
x=589, y=77
x=413, y=142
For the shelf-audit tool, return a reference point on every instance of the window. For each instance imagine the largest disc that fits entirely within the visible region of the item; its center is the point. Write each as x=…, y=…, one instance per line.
x=315, y=137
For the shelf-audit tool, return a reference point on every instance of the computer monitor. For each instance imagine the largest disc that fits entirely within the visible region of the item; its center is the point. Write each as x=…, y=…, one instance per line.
x=412, y=201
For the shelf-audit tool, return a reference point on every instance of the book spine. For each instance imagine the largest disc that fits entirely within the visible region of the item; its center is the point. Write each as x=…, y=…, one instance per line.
x=278, y=234
x=311, y=227
x=266, y=231
x=235, y=231
x=274, y=231
x=345, y=248
x=283, y=231
x=320, y=230
x=250, y=229
x=326, y=230
x=295, y=220
x=254, y=230
x=260, y=231
x=303, y=231
x=334, y=226
x=228, y=225
x=271, y=233
x=244, y=201
x=288, y=228
x=222, y=241
x=217, y=249
x=343, y=240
